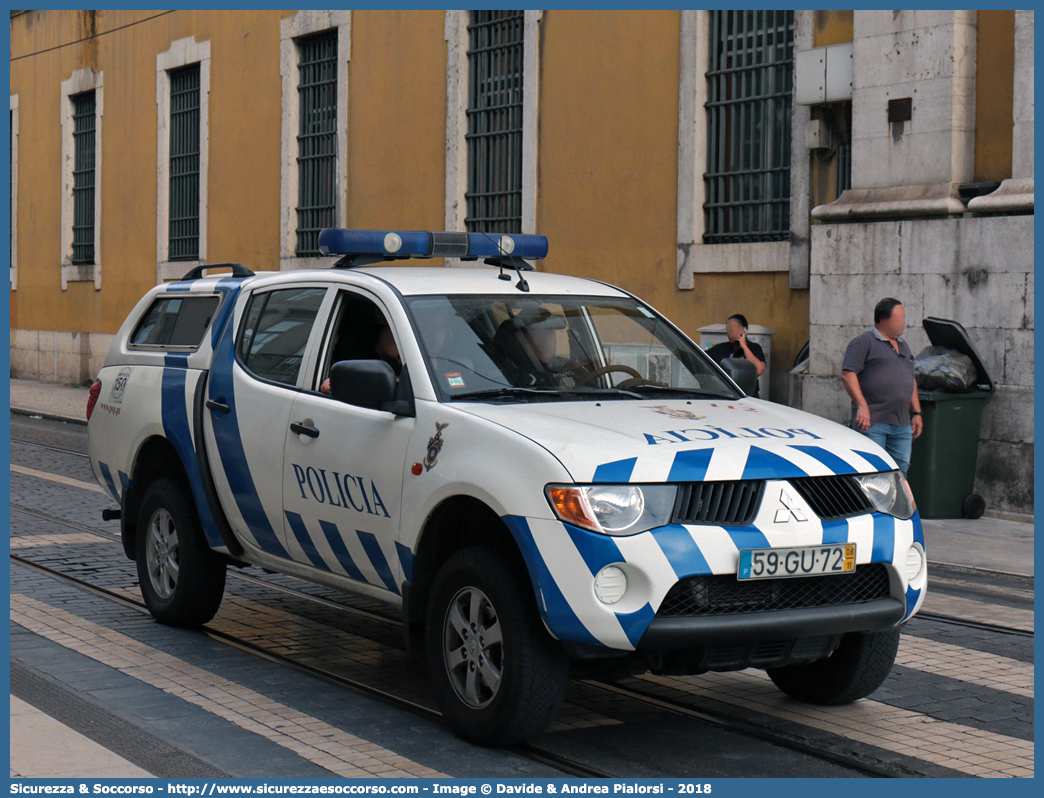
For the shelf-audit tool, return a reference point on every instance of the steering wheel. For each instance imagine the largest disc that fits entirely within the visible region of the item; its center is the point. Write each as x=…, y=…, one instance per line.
x=584, y=379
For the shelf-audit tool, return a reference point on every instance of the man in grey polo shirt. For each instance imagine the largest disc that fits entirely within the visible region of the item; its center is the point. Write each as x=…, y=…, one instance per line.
x=878, y=373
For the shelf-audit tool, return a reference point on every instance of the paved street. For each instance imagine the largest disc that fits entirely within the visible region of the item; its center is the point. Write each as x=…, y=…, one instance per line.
x=183, y=703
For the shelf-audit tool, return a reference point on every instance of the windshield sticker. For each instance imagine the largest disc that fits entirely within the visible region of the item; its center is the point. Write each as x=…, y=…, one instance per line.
x=435, y=442
x=713, y=433
x=454, y=380
x=645, y=312
x=674, y=412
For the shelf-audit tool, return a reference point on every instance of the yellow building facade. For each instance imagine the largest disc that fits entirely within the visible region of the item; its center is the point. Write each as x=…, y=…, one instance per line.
x=613, y=138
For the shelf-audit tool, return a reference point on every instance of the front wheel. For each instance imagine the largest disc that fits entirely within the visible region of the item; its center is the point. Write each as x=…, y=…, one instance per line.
x=498, y=676
x=859, y=666
x=182, y=579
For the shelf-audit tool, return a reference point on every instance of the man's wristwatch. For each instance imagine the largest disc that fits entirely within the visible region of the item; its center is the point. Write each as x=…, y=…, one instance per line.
x=916, y=413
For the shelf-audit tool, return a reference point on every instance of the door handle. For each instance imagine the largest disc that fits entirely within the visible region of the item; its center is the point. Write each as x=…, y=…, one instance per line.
x=301, y=429
x=217, y=407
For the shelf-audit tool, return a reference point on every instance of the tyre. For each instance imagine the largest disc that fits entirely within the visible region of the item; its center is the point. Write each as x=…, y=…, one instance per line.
x=498, y=676
x=182, y=579
x=857, y=668
x=973, y=506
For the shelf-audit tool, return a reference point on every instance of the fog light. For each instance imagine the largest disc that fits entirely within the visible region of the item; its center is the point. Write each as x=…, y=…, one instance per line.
x=913, y=563
x=610, y=584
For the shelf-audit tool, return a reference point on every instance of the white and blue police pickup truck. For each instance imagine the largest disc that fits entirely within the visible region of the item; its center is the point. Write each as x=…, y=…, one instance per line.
x=543, y=472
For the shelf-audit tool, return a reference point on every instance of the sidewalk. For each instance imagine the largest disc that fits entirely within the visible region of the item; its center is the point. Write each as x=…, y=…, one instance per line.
x=43, y=748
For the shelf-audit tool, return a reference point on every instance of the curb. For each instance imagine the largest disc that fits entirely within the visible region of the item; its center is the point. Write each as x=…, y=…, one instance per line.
x=25, y=411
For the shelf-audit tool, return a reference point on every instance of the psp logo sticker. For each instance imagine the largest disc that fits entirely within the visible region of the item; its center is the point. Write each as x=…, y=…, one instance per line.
x=120, y=384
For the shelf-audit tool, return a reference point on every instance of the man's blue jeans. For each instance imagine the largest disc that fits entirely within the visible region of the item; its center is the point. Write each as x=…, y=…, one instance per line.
x=895, y=440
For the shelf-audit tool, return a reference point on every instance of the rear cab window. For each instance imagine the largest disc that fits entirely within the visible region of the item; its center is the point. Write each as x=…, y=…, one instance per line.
x=175, y=322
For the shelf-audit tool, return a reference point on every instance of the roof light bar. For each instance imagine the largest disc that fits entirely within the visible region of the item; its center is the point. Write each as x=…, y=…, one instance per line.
x=374, y=245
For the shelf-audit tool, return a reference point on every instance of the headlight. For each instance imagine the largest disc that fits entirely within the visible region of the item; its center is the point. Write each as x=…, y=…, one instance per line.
x=888, y=493
x=613, y=509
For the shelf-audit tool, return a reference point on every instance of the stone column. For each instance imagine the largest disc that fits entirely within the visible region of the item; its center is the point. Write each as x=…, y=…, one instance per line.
x=1015, y=195
x=913, y=115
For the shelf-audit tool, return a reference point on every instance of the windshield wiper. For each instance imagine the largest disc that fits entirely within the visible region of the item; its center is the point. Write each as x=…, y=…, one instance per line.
x=692, y=391
x=501, y=393
x=507, y=393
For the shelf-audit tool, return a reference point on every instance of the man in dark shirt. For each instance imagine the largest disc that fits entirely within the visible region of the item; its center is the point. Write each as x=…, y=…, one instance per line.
x=739, y=346
x=878, y=373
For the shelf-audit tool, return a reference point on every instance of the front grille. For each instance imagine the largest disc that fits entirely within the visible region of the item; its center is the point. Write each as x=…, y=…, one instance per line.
x=732, y=503
x=697, y=596
x=833, y=497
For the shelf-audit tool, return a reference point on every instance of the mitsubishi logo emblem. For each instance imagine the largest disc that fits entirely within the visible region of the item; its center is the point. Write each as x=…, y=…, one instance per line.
x=788, y=509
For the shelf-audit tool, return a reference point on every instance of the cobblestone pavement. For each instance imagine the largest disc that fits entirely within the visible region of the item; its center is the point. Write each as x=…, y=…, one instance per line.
x=959, y=701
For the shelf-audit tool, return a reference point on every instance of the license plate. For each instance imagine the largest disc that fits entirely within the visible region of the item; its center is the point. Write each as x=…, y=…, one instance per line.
x=837, y=558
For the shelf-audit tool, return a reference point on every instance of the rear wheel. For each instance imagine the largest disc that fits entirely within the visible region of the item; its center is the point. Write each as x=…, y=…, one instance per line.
x=499, y=677
x=182, y=579
x=858, y=667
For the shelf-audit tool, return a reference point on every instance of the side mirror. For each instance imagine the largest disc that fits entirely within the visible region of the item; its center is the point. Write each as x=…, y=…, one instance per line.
x=743, y=373
x=364, y=383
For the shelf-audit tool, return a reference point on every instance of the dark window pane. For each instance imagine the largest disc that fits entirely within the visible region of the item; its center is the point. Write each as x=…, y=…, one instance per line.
x=316, y=139
x=276, y=332
x=184, y=164
x=750, y=84
x=83, y=178
x=176, y=321
x=494, y=193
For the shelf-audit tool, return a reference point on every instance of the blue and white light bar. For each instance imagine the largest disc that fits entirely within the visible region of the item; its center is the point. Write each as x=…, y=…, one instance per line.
x=395, y=244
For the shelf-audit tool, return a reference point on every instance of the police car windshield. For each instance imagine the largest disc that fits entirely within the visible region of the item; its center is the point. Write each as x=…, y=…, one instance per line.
x=558, y=348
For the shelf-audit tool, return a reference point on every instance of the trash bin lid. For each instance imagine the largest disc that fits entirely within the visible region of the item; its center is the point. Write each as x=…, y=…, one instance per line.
x=944, y=332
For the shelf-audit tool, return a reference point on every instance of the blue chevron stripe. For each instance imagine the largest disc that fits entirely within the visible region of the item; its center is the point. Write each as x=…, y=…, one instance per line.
x=597, y=550
x=305, y=540
x=107, y=474
x=681, y=550
x=333, y=537
x=875, y=461
x=636, y=623
x=747, y=537
x=763, y=464
x=377, y=559
x=884, y=538
x=617, y=471
x=829, y=459
x=690, y=465
x=554, y=608
x=405, y=560
x=911, y=601
x=835, y=531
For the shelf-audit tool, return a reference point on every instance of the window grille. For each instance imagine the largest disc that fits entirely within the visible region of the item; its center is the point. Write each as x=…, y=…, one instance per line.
x=494, y=194
x=316, y=140
x=750, y=83
x=83, y=178
x=183, y=205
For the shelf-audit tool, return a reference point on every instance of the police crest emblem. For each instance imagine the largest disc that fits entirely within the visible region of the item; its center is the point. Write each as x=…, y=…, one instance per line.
x=674, y=412
x=434, y=446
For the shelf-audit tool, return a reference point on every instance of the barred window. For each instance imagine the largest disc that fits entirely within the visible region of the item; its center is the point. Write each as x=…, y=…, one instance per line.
x=184, y=164
x=494, y=193
x=750, y=84
x=83, y=178
x=316, y=140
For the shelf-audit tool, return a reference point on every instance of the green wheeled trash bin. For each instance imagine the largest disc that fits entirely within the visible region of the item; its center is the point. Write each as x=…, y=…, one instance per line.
x=942, y=462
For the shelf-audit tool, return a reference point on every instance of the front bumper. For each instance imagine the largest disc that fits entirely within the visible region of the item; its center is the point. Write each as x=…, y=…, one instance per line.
x=564, y=560
x=673, y=634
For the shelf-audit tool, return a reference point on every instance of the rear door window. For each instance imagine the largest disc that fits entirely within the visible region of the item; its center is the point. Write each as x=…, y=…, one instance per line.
x=176, y=321
x=275, y=332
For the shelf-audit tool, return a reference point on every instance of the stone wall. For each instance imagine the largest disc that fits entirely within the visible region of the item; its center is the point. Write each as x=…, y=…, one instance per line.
x=62, y=357
x=975, y=270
